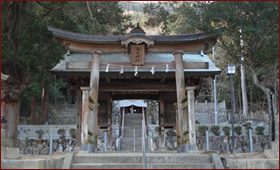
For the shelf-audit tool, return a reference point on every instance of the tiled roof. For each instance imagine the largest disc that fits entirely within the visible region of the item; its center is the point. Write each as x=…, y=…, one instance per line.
x=115, y=39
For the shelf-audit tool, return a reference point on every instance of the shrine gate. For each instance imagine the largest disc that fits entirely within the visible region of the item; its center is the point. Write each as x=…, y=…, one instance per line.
x=102, y=68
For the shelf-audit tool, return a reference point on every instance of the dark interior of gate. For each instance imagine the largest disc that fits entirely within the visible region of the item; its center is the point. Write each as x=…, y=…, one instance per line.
x=136, y=66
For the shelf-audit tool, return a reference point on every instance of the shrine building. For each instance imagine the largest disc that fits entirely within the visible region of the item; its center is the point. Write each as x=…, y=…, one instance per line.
x=166, y=68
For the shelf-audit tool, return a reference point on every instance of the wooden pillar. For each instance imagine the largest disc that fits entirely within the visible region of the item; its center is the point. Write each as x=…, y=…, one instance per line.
x=109, y=118
x=178, y=131
x=93, y=110
x=161, y=123
x=180, y=89
x=79, y=116
x=192, y=134
x=85, y=115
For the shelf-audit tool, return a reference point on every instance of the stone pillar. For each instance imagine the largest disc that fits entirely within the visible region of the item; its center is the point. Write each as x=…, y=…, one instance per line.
x=180, y=89
x=84, y=120
x=192, y=134
x=93, y=109
x=132, y=109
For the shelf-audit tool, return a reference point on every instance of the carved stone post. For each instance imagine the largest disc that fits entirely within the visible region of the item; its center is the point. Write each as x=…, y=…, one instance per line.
x=84, y=121
x=192, y=134
x=180, y=88
x=93, y=107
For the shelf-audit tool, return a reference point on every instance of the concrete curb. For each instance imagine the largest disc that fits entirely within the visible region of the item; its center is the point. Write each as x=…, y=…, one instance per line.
x=217, y=161
x=55, y=163
x=67, y=161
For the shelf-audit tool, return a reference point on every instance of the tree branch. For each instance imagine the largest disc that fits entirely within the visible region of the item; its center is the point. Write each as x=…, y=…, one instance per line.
x=52, y=9
x=91, y=16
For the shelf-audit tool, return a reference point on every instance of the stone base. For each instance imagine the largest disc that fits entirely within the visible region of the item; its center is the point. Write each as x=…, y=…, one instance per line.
x=273, y=152
x=89, y=148
x=193, y=147
x=185, y=148
x=3, y=133
x=7, y=142
x=9, y=153
x=213, y=151
x=77, y=149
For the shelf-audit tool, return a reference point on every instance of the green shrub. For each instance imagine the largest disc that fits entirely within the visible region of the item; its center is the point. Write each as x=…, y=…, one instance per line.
x=238, y=130
x=215, y=130
x=202, y=130
x=226, y=130
x=72, y=133
x=247, y=128
x=259, y=130
x=61, y=133
x=40, y=133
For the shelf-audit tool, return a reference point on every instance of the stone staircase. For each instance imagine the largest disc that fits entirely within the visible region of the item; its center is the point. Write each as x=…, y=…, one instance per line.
x=133, y=160
x=131, y=122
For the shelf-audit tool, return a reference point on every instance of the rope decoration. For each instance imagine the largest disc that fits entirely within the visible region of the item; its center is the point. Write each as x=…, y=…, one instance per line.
x=166, y=66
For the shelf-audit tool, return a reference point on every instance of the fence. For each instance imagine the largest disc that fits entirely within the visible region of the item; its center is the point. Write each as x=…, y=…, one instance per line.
x=64, y=114
x=256, y=117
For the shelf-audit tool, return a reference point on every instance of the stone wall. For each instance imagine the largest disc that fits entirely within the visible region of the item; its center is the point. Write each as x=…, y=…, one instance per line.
x=244, y=131
x=35, y=139
x=222, y=143
x=30, y=142
x=29, y=131
x=205, y=112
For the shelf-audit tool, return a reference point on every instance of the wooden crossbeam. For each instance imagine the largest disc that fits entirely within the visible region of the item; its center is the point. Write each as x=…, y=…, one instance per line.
x=137, y=87
x=147, y=66
x=104, y=86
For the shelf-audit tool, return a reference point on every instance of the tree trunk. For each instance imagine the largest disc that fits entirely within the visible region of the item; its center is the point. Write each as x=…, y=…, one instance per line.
x=251, y=97
x=33, y=111
x=270, y=112
x=244, y=91
x=12, y=90
x=11, y=112
x=45, y=101
x=243, y=80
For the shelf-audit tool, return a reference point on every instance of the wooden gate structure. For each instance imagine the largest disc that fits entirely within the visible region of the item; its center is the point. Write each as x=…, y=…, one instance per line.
x=102, y=68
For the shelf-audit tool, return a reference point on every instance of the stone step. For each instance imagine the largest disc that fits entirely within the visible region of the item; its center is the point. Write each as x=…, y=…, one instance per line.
x=133, y=124
x=129, y=140
x=180, y=158
x=130, y=133
x=107, y=166
x=131, y=149
x=140, y=166
x=133, y=160
x=180, y=166
x=137, y=158
x=134, y=115
x=106, y=158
